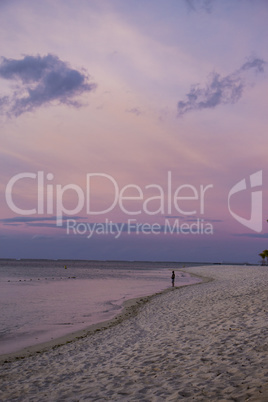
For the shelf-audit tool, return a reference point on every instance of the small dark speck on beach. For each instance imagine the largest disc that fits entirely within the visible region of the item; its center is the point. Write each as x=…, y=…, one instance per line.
x=185, y=394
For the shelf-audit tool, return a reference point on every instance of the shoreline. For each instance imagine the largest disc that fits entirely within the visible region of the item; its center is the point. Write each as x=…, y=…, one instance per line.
x=129, y=308
x=202, y=343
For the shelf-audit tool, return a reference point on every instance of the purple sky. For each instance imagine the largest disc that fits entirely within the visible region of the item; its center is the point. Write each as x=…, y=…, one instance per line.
x=151, y=111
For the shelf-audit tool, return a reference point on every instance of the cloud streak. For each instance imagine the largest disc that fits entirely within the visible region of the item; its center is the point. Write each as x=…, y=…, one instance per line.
x=219, y=90
x=254, y=235
x=36, y=221
x=41, y=81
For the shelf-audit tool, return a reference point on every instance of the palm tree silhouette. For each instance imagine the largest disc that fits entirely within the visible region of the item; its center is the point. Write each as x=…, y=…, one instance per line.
x=262, y=255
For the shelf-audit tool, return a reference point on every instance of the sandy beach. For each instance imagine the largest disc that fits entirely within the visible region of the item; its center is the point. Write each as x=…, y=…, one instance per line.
x=204, y=342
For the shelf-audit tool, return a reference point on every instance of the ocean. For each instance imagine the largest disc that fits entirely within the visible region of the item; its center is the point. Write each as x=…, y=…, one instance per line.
x=42, y=300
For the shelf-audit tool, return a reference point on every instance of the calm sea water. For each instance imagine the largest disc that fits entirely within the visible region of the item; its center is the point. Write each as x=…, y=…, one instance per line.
x=41, y=300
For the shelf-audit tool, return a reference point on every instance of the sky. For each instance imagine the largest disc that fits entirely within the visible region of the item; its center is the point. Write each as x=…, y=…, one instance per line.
x=134, y=130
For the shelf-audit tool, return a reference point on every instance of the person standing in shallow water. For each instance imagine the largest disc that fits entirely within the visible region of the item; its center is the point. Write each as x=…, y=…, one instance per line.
x=173, y=278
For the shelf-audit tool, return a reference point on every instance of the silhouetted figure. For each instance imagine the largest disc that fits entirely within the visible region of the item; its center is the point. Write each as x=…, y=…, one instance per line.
x=173, y=278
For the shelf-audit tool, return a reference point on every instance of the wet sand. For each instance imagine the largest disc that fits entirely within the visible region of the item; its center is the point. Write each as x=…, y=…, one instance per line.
x=205, y=342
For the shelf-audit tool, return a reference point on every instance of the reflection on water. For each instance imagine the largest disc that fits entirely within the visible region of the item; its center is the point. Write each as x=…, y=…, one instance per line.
x=41, y=300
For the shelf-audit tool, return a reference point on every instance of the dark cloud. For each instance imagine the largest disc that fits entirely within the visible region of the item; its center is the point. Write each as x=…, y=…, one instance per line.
x=257, y=64
x=192, y=218
x=12, y=224
x=135, y=111
x=45, y=225
x=3, y=101
x=40, y=81
x=195, y=5
x=204, y=220
x=219, y=90
x=175, y=217
x=41, y=237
